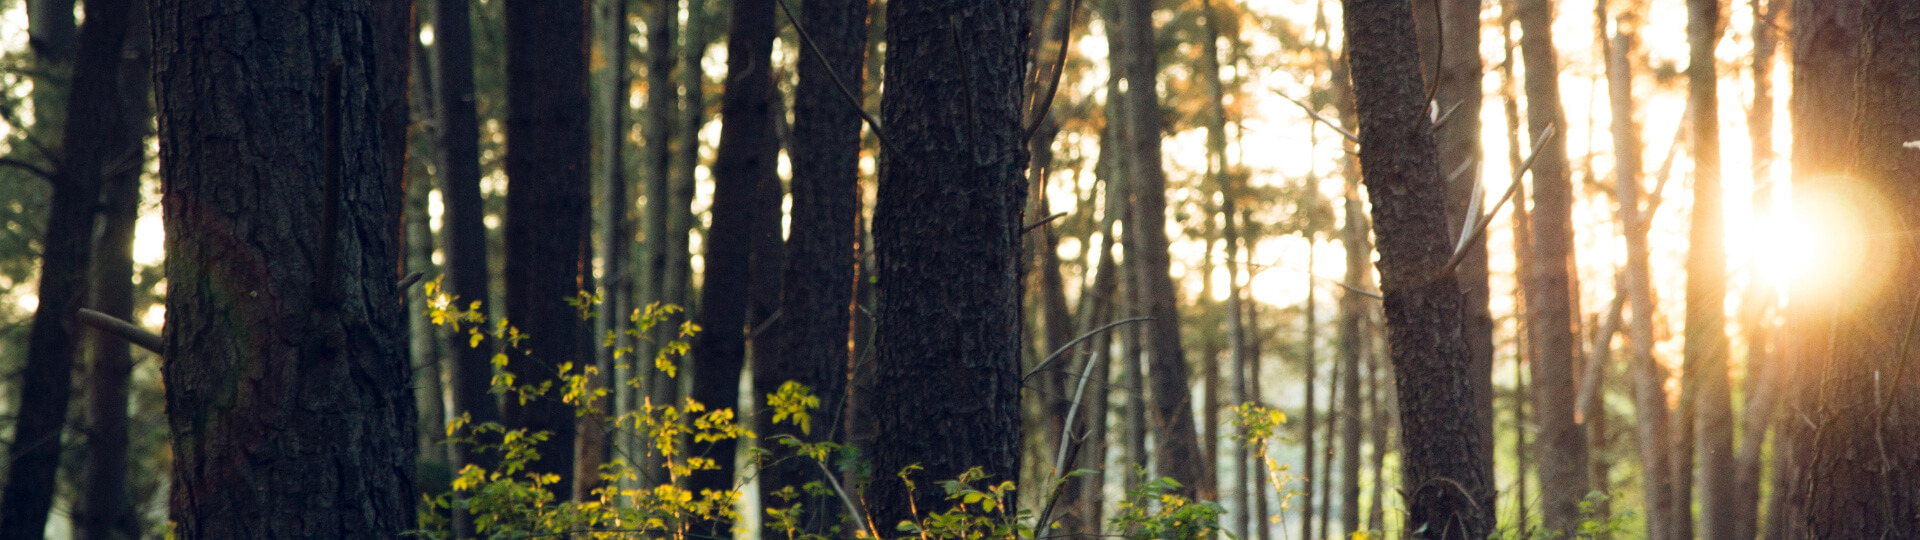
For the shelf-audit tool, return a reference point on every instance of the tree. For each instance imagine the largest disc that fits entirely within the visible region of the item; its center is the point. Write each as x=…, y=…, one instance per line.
x=822, y=250
x=1448, y=494
x=947, y=233
x=1704, y=386
x=105, y=512
x=93, y=115
x=1862, y=476
x=1562, y=443
x=1758, y=306
x=547, y=221
x=745, y=157
x=1649, y=377
x=287, y=384
x=1178, y=456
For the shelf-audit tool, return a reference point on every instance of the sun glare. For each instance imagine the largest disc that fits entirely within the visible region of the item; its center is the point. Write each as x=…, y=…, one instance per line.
x=1820, y=247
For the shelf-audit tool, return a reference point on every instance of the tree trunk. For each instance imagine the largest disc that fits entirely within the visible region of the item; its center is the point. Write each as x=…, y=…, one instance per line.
x=608, y=91
x=1230, y=235
x=745, y=157
x=1099, y=303
x=1522, y=255
x=1706, y=336
x=94, y=108
x=1862, y=471
x=547, y=216
x=1562, y=444
x=429, y=397
x=258, y=341
x=822, y=249
x=1758, y=307
x=1448, y=495
x=105, y=512
x=1178, y=453
x=948, y=336
x=657, y=156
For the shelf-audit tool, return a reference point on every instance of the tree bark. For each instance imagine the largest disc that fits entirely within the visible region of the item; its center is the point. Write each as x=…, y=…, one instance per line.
x=744, y=158
x=822, y=245
x=282, y=255
x=547, y=219
x=948, y=338
x=1178, y=453
x=1862, y=474
x=1448, y=495
x=105, y=512
x=1705, y=363
x=1561, y=444
x=94, y=108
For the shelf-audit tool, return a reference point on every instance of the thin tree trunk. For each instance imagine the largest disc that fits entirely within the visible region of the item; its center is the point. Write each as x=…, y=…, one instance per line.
x=744, y=158
x=822, y=247
x=949, y=284
x=1230, y=235
x=609, y=95
x=1101, y=303
x=46, y=380
x=1705, y=363
x=1334, y=411
x=1310, y=474
x=323, y=319
x=429, y=396
x=1448, y=494
x=105, y=512
x=1250, y=330
x=1178, y=456
x=657, y=155
x=1522, y=250
x=1757, y=321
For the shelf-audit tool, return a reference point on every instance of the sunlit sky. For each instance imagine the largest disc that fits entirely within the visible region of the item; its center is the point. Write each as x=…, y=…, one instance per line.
x=1283, y=147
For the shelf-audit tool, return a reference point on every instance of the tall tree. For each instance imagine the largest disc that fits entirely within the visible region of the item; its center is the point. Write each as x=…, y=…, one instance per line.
x=609, y=93
x=1704, y=383
x=949, y=306
x=1562, y=443
x=1757, y=307
x=93, y=115
x=822, y=244
x=1826, y=54
x=744, y=159
x=1448, y=495
x=266, y=133
x=1178, y=455
x=1649, y=377
x=1862, y=473
x=105, y=512
x=1230, y=235
x=547, y=215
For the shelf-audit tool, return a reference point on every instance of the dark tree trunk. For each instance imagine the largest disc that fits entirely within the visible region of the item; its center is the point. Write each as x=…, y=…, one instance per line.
x=1862, y=471
x=1448, y=495
x=105, y=512
x=742, y=162
x=46, y=382
x=281, y=301
x=1826, y=39
x=547, y=220
x=1562, y=444
x=1178, y=453
x=948, y=335
x=470, y=367
x=822, y=244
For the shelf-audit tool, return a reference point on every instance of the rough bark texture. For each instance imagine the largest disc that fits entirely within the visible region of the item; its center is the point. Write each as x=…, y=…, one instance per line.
x=1562, y=443
x=46, y=381
x=547, y=216
x=1826, y=53
x=1705, y=362
x=1178, y=453
x=1455, y=43
x=947, y=235
x=287, y=392
x=1448, y=495
x=745, y=157
x=1863, y=470
x=105, y=512
x=822, y=250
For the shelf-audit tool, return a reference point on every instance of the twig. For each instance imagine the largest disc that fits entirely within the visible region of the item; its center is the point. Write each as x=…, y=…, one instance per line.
x=852, y=99
x=1356, y=290
x=35, y=170
x=121, y=329
x=408, y=281
x=1460, y=250
x=1066, y=440
x=1063, y=348
x=1043, y=221
x=1447, y=115
x=844, y=499
x=1316, y=116
x=1059, y=69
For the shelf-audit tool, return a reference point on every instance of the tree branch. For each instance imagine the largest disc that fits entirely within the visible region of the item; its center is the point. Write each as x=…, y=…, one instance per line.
x=121, y=329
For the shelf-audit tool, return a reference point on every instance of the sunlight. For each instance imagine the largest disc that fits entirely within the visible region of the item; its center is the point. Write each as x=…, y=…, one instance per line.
x=1820, y=247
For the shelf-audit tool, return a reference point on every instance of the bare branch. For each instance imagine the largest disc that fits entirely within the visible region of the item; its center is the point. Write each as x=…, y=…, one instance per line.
x=1316, y=116
x=35, y=170
x=853, y=100
x=1460, y=250
x=1059, y=69
x=121, y=329
x=1076, y=341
